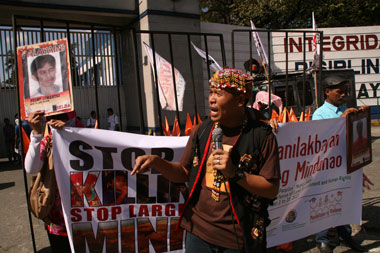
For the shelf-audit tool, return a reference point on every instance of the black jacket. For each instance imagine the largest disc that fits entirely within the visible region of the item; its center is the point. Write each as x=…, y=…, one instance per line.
x=250, y=212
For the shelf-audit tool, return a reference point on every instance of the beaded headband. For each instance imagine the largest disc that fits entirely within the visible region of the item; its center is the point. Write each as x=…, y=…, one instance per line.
x=231, y=78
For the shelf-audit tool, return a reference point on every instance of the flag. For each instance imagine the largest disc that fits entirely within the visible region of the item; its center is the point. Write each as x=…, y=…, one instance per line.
x=188, y=126
x=307, y=116
x=165, y=128
x=283, y=117
x=176, y=129
x=199, y=119
x=275, y=115
x=96, y=125
x=259, y=45
x=292, y=116
x=302, y=117
x=214, y=66
x=196, y=117
x=25, y=140
x=165, y=82
x=316, y=44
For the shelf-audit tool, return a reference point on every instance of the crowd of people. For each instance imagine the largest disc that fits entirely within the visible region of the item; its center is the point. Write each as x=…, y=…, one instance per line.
x=230, y=163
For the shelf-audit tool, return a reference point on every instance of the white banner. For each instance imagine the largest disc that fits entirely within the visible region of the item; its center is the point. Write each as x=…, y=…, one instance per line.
x=105, y=208
x=259, y=45
x=316, y=192
x=316, y=44
x=214, y=65
x=165, y=82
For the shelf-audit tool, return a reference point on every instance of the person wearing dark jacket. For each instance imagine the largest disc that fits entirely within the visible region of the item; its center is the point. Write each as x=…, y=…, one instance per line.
x=231, y=187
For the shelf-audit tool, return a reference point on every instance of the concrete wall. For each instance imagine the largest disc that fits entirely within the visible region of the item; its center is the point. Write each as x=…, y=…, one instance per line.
x=176, y=6
x=114, y=4
x=170, y=16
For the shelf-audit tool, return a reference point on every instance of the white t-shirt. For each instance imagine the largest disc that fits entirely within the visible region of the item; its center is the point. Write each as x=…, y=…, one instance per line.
x=38, y=92
x=91, y=122
x=113, y=120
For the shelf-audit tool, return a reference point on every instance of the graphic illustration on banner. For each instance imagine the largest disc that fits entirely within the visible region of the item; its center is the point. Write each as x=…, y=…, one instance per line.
x=44, y=78
x=107, y=208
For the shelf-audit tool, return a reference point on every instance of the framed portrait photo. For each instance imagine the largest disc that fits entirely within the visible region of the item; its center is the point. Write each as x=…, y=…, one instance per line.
x=44, y=79
x=359, y=150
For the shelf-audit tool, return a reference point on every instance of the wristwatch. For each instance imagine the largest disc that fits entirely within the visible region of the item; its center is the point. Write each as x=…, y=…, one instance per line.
x=239, y=174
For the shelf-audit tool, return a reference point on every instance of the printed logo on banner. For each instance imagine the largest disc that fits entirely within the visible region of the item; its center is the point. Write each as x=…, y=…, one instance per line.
x=292, y=215
x=325, y=206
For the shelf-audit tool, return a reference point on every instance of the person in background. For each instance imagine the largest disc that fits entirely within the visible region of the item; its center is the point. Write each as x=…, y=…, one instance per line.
x=9, y=138
x=91, y=120
x=25, y=125
x=113, y=120
x=73, y=120
x=335, y=91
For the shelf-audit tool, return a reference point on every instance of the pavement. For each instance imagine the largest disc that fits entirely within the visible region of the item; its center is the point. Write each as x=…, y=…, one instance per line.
x=15, y=235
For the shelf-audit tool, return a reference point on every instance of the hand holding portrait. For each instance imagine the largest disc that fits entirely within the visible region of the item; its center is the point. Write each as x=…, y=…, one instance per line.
x=348, y=111
x=35, y=121
x=57, y=124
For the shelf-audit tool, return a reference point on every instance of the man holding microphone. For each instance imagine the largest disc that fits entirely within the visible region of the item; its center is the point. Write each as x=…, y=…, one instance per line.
x=232, y=167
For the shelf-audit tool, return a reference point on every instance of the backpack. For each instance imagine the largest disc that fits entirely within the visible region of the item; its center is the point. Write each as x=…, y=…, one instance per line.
x=43, y=189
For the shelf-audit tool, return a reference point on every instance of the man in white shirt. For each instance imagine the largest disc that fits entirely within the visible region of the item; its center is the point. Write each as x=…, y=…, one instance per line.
x=113, y=120
x=43, y=70
x=92, y=120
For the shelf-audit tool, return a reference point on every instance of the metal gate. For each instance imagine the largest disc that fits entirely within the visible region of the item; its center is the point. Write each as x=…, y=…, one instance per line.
x=178, y=46
x=296, y=89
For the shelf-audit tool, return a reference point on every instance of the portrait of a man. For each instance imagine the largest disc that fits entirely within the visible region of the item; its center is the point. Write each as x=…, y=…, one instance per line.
x=360, y=149
x=44, y=78
x=361, y=142
x=43, y=70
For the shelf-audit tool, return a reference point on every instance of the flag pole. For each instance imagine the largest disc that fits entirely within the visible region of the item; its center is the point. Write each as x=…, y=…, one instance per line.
x=21, y=149
x=317, y=61
x=260, y=50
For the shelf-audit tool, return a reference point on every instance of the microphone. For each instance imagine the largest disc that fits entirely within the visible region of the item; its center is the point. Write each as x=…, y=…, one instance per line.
x=217, y=135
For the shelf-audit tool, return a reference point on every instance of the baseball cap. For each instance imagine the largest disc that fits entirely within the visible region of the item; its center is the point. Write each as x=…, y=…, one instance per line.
x=332, y=81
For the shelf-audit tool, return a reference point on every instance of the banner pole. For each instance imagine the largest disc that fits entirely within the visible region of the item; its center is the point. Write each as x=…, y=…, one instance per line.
x=192, y=78
x=138, y=81
x=20, y=133
x=173, y=78
x=157, y=83
x=95, y=72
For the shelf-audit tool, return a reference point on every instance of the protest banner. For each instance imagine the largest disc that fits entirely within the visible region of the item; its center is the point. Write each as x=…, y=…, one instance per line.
x=166, y=83
x=44, y=81
x=106, y=208
x=316, y=192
